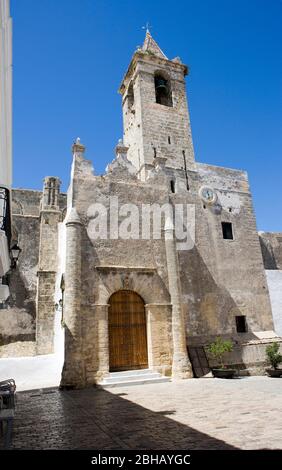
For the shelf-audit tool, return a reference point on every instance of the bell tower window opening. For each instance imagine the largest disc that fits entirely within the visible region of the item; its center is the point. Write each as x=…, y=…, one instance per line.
x=163, y=91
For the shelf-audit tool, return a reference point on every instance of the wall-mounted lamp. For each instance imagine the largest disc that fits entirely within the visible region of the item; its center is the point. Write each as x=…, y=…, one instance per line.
x=15, y=253
x=59, y=306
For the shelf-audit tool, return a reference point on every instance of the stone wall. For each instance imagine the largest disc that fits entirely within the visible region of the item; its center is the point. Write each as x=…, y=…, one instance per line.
x=274, y=280
x=271, y=246
x=220, y=278
x=18, y=318
x=224, y=278
x=249, y=357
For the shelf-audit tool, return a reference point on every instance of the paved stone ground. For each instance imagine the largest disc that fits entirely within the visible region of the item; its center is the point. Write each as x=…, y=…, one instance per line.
x=193, y=414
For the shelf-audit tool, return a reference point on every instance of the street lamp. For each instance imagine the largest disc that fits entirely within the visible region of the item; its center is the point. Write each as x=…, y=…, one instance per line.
x=15, y=253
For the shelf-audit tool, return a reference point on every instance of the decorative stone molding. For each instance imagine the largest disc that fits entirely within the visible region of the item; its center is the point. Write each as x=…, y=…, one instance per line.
x=121, y=167
x=144, y=280
x=142, y=269
x=78, y=147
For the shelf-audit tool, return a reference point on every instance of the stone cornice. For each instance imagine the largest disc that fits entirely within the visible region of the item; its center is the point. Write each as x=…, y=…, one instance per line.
x=142, y=269
x=26, y=216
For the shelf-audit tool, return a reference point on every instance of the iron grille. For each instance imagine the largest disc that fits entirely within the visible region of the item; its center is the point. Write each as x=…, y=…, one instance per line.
x=5, y=216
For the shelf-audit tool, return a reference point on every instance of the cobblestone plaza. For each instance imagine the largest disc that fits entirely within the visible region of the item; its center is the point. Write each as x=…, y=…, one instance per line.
x=193, y=414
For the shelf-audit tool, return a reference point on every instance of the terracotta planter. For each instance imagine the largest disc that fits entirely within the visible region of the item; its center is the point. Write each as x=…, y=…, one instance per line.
x=274, y=372
x=223, y=373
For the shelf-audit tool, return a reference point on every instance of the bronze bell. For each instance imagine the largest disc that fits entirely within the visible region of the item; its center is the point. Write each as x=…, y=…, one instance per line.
x=161, y=84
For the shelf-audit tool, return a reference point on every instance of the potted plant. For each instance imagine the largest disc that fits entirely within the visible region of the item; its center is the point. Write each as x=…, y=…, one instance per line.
x=274, y=357
x=217, y=350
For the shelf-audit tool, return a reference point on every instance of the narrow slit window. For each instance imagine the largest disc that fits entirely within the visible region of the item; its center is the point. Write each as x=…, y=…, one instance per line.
x=185, y=169
x=241, y=324
x=172, y=186
x=227, y=230
x=168, y=139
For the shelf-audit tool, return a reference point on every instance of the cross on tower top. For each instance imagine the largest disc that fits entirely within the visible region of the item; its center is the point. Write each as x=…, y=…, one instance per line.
x=147, y=27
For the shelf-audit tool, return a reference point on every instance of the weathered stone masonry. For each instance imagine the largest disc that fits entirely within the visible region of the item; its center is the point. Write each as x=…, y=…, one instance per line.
x=190, y=296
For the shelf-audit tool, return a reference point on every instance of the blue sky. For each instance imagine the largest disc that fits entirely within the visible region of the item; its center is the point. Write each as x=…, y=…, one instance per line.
x=69, y=57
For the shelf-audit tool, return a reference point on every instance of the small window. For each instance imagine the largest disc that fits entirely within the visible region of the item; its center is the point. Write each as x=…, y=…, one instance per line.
x=241, y=324
x=227, y=230
x=168, y=139
x=172, y=186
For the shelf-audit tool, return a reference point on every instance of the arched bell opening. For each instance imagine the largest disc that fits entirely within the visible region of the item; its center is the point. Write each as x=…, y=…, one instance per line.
x=163, y=90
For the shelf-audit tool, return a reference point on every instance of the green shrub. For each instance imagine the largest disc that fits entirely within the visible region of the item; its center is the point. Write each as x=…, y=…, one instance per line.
x=272, y=354
x=218, y=348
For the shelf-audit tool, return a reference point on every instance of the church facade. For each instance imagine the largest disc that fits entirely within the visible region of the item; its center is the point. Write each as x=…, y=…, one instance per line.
x=134, y=292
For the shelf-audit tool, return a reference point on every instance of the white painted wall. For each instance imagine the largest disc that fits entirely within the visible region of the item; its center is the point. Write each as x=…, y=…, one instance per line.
x=61, y=259
x=5, y=94
x=37, y=372
x=274, y=281
x=5, y=124
x=43, y=371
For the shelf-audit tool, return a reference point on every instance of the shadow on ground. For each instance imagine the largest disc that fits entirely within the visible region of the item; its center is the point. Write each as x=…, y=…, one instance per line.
x=97, y=419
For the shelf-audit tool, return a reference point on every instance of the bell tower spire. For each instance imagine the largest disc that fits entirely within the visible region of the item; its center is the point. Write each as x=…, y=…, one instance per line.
x=155, y=110
x=152, y=47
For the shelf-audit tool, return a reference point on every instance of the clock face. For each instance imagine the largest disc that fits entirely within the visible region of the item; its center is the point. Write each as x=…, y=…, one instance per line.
x=208, y=194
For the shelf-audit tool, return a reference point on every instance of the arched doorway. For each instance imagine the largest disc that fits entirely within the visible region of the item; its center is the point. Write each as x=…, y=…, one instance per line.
x=127, y=332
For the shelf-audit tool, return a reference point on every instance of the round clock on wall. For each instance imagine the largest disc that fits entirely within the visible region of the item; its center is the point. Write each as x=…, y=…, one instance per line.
x=208, y=195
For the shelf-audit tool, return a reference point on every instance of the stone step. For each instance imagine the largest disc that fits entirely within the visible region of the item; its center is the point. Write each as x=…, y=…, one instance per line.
x=132, y=377
x=132, y=372
x=140, y=381
x=127, y=378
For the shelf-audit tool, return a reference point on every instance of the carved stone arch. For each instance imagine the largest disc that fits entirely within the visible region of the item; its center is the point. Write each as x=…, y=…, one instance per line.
x=163, y=73
x=148, y=285
x=145, y=282
x=17, y=207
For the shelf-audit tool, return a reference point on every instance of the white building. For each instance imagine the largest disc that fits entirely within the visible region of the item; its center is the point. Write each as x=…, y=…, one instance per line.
x=5, y=140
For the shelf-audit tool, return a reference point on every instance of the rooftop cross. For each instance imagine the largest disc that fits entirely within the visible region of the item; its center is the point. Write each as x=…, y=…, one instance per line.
x=147, y=27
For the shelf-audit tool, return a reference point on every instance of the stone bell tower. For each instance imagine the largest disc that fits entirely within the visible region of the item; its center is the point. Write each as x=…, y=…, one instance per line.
x=155, y=111
x=50, y=216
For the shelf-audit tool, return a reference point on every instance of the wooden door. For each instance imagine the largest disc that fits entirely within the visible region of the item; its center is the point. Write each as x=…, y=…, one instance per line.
x=127, y=332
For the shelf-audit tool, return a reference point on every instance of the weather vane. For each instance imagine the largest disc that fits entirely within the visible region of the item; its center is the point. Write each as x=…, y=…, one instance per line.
x=147, y=27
